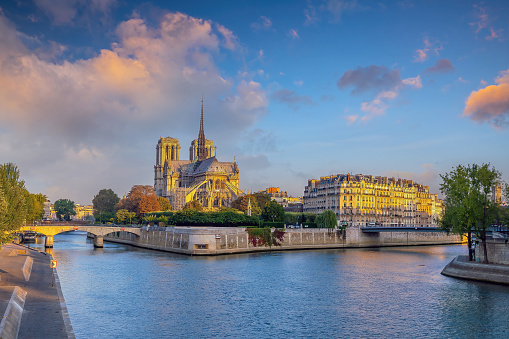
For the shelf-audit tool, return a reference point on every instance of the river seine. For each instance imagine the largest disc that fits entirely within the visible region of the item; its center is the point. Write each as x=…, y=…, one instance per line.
x=126, y=292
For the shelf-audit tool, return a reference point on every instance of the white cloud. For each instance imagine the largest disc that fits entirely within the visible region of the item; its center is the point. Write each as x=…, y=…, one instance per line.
x=111, y=108
x=414, y=82
x=429, y=47
x=230, y=40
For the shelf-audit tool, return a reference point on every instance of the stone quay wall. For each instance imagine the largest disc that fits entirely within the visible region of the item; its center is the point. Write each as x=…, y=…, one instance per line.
x=228, y=240
x=498, y=251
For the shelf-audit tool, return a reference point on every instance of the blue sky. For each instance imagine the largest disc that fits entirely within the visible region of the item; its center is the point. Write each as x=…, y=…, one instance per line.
x=294, y=89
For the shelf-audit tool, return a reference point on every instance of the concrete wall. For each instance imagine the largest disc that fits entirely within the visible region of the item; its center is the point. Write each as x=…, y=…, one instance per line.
x=224, y=240
x=498, y=251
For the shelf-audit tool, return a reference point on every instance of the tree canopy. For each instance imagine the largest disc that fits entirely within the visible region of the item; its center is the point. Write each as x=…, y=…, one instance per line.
x=140, y=200
x=194, y=205
x=272, y=211
x=164, y=204
x=123, y=216
x=104, y=204
x=17, y=205
x=468, y=204
x=327, y=219
x=64, y=208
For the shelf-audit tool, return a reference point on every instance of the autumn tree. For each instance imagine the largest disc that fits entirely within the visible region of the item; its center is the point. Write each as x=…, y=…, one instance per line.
x=164, y=204
x=64, y=208
x=104, y=204
x=140, y=200
x=468, y=204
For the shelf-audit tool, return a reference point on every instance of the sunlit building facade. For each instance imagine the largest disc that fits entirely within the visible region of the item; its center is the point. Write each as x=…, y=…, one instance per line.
x=364, y=200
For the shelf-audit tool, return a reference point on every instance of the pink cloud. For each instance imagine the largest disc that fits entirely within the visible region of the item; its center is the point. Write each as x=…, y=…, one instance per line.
x=230, y=40
x=293, y=33
x=494, y=34
x=490, y=104
x=482, y=19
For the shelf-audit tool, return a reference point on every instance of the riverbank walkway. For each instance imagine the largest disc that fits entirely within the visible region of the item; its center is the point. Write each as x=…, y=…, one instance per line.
x=30, y=296
x=461, y=268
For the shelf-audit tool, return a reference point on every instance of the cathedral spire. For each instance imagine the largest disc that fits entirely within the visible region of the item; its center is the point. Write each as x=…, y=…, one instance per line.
x=202, y=151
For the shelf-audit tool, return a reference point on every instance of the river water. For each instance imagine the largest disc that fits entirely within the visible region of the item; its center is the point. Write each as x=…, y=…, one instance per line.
x=121, y=291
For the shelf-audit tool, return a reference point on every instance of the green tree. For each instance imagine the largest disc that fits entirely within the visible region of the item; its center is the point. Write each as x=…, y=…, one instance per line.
x=194, y=205
x=468, y=207
x=241, y=204
x=327, y=220
x=272, y=211
x=64, y=208
x=12, y=201
x=104, y=204
x=164, y=204
x=123, y=216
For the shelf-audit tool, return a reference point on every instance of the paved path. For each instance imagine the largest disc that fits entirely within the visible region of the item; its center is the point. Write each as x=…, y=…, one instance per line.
x=44, y=314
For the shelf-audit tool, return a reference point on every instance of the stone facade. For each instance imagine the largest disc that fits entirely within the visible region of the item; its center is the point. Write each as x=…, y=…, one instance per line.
x=202, y=177
x=364, y=200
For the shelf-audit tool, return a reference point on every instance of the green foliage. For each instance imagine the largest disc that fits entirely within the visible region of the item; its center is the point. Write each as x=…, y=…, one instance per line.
x=13, y=206
x=242, y=203
x=123, y=216
x=272, y=211
x=468, y=207
x=164, y=203
x=327, y=219
x=292, y=218
x=190, y=217
x=265, y=236
x=64, y=208
x=104, y=204
x=276, y=224
x=193, y=205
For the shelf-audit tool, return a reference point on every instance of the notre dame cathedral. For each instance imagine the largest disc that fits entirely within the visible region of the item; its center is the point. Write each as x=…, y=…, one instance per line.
x=202, y=177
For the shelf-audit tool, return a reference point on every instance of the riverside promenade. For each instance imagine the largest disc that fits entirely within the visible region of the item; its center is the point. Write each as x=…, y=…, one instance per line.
x=31, y=301
x=461, y=268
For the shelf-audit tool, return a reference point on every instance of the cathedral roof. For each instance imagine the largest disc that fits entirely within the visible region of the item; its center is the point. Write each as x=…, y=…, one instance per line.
x=210, y=165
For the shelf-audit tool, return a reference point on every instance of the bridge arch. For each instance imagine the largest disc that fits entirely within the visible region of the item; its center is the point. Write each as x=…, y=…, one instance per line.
x=98, y=231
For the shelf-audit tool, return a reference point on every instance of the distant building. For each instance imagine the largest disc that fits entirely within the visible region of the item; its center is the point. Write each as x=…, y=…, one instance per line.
x=83, y=212
x=496, y=194
x=47, y=210
x=289, y=203
x=202, y=177
x=364, y=200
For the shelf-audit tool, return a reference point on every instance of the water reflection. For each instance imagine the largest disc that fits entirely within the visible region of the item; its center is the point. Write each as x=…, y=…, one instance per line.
x=392, y=292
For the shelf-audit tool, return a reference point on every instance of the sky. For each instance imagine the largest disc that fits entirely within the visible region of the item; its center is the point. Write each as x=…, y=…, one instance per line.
x=294, y=90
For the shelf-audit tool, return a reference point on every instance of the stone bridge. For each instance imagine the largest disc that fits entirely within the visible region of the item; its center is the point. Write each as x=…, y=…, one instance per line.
x=98, y=231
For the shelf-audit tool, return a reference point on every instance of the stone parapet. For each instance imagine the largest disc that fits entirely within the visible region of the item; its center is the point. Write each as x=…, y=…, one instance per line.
x=227, y=240
x=461, y=268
